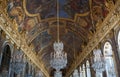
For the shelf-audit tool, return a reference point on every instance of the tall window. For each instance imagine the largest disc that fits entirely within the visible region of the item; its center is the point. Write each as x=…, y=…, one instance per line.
x=88, y=69
x=108, y=54
x=84, y=73
x=118, y=41
x=75, y=73
x=80, y=72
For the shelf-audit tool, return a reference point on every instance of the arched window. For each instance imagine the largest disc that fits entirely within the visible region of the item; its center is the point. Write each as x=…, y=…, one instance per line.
x=118, y=41
x=84, y=73
x=75, y=73
x=5, y=61
x=88, y=69
x=108, y=55
x=80, y=70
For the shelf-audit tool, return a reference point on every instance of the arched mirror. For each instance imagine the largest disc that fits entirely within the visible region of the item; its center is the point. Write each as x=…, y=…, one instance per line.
x=88, y=69
x=109, y=60
x=80, y=72
x=84, y=71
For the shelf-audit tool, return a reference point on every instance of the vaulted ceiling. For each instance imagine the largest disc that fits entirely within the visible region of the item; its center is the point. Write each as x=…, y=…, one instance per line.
x=79, y=20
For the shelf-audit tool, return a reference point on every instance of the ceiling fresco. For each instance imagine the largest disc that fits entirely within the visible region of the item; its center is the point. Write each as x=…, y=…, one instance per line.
x=41, y=41
x=86, y=13
x=48, y=9
x=78, y=19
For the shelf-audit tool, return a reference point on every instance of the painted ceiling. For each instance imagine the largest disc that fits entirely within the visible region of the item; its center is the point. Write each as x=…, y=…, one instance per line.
x=67, y=8
x=78, y=19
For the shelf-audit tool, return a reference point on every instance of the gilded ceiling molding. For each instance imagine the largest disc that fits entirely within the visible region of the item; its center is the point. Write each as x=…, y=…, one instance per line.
x=11, y=32
x=27, y=13
x=3, y=4
x=48, y=19
x=91, y=12
x=112, y=20
x=54, y=19
x=80, y=15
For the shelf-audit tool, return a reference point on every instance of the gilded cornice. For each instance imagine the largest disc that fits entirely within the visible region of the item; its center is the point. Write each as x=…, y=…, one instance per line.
x=112, y=20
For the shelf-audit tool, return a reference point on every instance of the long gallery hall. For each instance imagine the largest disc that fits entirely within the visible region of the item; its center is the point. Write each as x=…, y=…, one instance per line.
x=59, y=38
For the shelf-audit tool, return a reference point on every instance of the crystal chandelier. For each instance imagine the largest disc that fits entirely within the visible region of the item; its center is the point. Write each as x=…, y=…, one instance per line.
x=58, y=57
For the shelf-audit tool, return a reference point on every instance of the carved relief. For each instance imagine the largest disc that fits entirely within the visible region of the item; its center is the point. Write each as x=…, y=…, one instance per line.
x=109, y=4
x=97, y=13
x=16, y=12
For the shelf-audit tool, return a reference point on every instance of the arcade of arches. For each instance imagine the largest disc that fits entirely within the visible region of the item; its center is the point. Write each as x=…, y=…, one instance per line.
x=89, y=30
